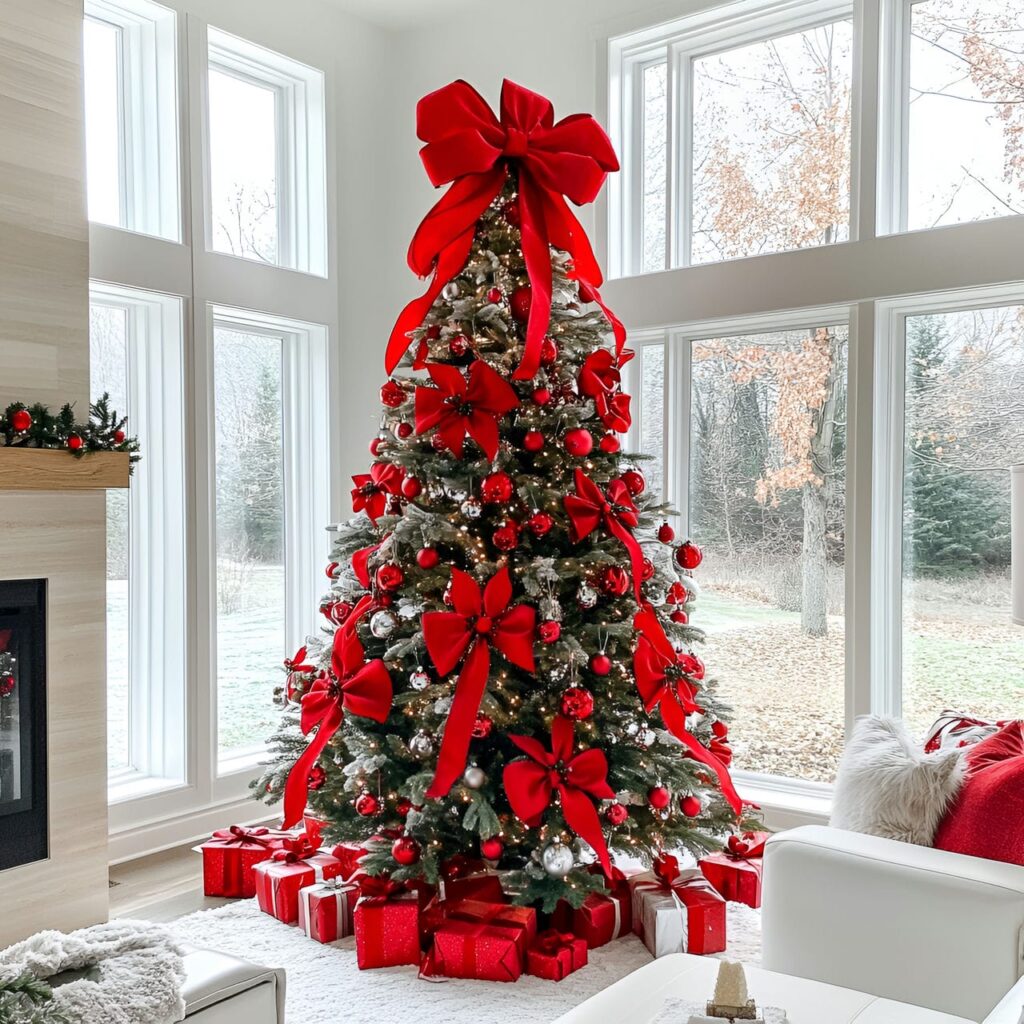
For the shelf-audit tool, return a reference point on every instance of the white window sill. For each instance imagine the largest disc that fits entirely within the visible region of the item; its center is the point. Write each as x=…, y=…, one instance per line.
x=132, y=785
x=786, y=803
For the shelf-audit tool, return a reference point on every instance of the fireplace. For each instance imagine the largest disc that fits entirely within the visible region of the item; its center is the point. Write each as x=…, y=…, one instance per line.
x=23, y=785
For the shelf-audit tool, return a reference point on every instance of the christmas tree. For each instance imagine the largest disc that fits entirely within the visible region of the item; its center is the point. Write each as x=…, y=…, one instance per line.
x=508, y=671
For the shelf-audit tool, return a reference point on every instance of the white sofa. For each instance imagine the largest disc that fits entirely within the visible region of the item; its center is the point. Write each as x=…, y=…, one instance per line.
x=221, y=989
x=902, y=922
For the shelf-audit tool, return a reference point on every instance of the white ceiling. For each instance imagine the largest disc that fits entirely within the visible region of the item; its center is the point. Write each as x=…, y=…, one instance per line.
x=401, y=14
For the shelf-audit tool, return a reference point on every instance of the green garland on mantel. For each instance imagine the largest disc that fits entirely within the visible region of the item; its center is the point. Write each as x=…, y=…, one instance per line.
x=34, y=426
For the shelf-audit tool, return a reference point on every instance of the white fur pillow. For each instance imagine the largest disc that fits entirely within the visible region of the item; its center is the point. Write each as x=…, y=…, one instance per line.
x=887, y=786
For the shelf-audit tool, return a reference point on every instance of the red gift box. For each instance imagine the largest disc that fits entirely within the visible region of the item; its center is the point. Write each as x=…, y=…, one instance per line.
x=386, y=921
x=555, y=954
x=738, y=880
x=229, y=856
x=279, y=880
x=521, y=919
x=325, y=909
x=484, y=886
x=349, y=854
x=476, y=949
x=601, y=917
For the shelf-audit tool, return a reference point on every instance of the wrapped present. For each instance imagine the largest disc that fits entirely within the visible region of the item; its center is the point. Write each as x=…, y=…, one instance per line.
x=386, y=922
x=229, y=856
x=487, y=950
x=677, y=911
x=481, y=885
x=325, y=909
x=279, y=879
x=736, y=873
x=555, y=954
x=522, y=920
x=349, y=855
x=602, y=916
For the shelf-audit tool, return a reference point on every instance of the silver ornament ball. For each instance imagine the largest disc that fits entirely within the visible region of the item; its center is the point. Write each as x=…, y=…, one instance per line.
x=382, y=623
x=421, y=745
x=471, y=508
x=420, y=679
x=451, y=290
x=557, y=859
x=474, y=777
x=586, y=596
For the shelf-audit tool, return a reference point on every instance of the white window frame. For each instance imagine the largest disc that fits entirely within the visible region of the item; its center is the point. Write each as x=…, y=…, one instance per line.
x=147, y=113
x=301, y=147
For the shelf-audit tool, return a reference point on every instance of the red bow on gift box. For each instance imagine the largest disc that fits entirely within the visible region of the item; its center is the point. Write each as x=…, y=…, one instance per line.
x=299, y=847
x=551, y=941
x=746, y=847
x=589, y=507
x=479, y=621
x=259, y=836
x=467, y=145
x=360, y=687
x=372, y=489
x=458, y=407
x=379, y=887
x=531, y=784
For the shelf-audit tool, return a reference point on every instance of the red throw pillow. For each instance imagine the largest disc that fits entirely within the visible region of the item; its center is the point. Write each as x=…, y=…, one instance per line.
x=987, y=818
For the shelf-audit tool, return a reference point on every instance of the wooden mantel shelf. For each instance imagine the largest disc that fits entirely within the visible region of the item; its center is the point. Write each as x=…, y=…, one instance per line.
x=48, y=469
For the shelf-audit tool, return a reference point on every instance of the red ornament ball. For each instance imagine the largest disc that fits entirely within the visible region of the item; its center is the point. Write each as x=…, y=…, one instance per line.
x=579, y=442
x=317, y=777
x=680, y=616
x=340, y=611
x=520, y=302
x=403, y=430
x=541, y=396
x=427, y=558
x=367, y=805
x=405, y=850
x=6, y=686
x=634, y=481
x=390, y=576
x=403, y=805
x=614, y=580
x=549, y=631
x=719, y=729
x=609, y=443
x=437, y=442
x=482, y=727
x=666, y=534
x=647, y=570
x=376, y=444
x=600, y=664
x=533, y=441
x=548, y=351
x=506, y=537
x=659, y=797
x=494, y=295
x=690, y=806
x=21, y=420
x=119, y=437
x=616, y=813
x=496, y=488
x=510, y=211
x=411, y=487
x=688, y=555
x=539, y=523
x=677, y=594
x=392, y=394
x=576, y=703
x=458, y=346
x=75, y=442
x=491, y=849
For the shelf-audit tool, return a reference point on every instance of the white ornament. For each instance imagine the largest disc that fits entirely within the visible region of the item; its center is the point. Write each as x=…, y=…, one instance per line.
x=382, y=623
x=647, y=737
x=471, y=508
x=474, y=777
x=557, y=859
x=586, y=596
x=420, y=679
x=451, y=290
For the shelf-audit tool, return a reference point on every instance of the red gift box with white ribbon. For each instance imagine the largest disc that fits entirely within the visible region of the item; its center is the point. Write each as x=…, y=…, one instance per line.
x=736, y=873
x=603, y=916
x=325, y=909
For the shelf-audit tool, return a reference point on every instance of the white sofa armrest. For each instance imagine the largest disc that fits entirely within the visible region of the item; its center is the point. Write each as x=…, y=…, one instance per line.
x=1011, y=1007
x=904, y=922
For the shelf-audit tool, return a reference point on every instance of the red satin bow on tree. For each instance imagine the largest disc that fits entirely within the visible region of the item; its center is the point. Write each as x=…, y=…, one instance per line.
x=531, y=784
x=297, y=663
x=470, y=147
x=458, y=407
x=589, y=507
x=372, y=489
x=660, y=678
x=361, y=561
x=360, y=687
x=480, y=621
x=599, y=379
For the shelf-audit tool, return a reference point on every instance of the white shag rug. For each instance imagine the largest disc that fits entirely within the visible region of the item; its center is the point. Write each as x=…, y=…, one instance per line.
x=326, y=987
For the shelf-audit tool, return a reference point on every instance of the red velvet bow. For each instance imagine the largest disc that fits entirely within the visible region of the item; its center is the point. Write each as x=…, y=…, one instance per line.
x=297, y=663
x=746, y=847
x=551, y=941
x=666, y=868
x=371, y=489
x=359, y=687
x=531, y=784
x=599, y=378
x=654, y=656
x=479, y=621
x=379, y=887
x=613, y=411
x=458, y=407
x=588, y=507
x=237, y=834
x=361, y=562
x=468, y=146
x=300, y=847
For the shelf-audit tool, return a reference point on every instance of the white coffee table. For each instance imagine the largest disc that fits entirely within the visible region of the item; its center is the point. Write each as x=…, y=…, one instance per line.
x=638, y=997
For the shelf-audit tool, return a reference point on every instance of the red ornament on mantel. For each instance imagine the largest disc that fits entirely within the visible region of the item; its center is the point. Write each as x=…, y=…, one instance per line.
x=75, y=442
x=21, y=420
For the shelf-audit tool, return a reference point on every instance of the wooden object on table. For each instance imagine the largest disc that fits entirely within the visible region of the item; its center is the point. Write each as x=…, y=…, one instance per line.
x=50, y=469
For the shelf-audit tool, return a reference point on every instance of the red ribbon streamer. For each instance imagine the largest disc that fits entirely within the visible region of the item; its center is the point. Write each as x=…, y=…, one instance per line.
x=467, y=146
x=531, y=784
x=480, y=620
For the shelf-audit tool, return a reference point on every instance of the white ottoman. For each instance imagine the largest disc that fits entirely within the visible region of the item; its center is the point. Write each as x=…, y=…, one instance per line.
x=221, y=989
x=638, y=997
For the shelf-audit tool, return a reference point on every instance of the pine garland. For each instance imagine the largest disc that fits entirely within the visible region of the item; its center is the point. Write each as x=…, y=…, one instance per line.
x=28, y=1000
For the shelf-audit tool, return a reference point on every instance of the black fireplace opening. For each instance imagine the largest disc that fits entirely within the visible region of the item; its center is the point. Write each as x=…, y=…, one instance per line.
x=23, y=787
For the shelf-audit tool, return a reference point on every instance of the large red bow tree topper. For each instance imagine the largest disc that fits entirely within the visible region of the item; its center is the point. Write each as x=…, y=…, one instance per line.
x=355, y=685
x=578, y=779
x=468, y=146
x=480, y=621
x=457, y=406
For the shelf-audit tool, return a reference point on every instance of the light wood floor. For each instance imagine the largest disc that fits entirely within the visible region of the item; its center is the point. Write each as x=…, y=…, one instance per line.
x=160, y=887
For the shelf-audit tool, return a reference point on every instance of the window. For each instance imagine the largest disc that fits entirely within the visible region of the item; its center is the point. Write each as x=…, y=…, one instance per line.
x=131, y=116
x=267, y=169
x=136, y=355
